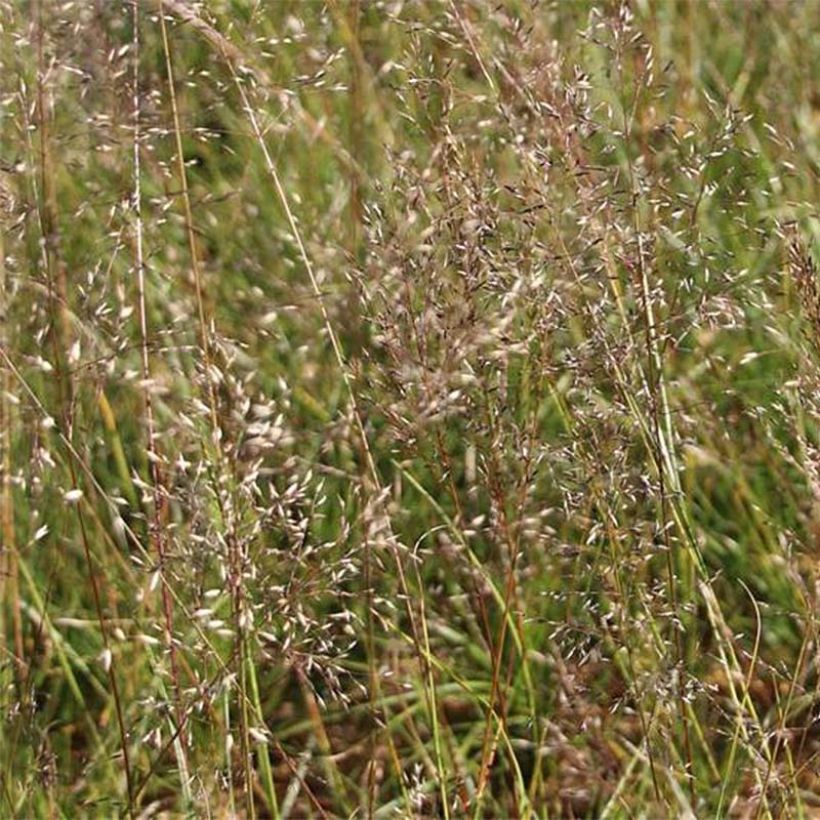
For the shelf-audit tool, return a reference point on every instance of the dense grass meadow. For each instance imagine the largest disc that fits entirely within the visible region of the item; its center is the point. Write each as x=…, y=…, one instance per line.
x=409, y=409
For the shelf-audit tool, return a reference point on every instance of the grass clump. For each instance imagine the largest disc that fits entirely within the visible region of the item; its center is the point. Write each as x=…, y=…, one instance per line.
x=409, y=409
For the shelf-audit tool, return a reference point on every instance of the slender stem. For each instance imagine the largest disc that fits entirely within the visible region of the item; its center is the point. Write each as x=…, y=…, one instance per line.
x=61, y=342
x=156, y=527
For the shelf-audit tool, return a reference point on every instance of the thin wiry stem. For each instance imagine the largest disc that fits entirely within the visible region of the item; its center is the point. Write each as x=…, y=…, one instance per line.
x=61, y=343
x=154, y=460
x=235, y=558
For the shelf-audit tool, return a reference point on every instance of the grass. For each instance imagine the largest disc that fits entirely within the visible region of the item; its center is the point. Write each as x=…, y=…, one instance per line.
x=409, y=409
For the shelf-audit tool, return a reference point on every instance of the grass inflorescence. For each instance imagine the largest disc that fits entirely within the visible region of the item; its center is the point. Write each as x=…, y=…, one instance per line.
x=409, y=409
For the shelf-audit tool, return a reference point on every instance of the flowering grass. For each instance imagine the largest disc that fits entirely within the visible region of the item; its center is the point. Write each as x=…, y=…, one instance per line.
x=409, y=409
